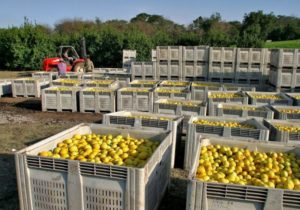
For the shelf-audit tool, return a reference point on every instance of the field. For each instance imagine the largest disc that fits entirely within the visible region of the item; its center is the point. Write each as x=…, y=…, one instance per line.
x=22, y=124
x=283, y=44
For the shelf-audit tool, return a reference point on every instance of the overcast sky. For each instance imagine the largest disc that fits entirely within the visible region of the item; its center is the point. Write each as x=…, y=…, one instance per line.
x=12, y=12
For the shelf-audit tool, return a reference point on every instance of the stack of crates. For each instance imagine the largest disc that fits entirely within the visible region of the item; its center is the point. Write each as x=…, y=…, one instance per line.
x=49, y=76
x=244, y=129
x=28, y=87
x=135, y=99
x=285, y=69
x=5, y=87
x=195, y=63
x=208, y=195
x=60, y=99
x=148, y=120
x=249, y=66
x=54, y=183
x=143, y=70
x=169, y=62
x=128, y=57
x=98, y=99
x=222, y=64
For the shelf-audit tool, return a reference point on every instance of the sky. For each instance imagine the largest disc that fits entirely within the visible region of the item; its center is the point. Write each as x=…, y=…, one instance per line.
x=50, y=12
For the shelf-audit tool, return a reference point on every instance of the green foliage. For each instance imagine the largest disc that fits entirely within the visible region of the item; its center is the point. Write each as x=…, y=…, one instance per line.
x=26, y=46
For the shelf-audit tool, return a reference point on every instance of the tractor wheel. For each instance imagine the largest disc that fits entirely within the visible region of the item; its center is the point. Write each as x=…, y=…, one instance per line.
x=79, y=67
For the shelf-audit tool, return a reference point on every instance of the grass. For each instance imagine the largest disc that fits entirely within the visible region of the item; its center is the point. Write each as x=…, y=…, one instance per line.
x=14, y=74
x=283, y=44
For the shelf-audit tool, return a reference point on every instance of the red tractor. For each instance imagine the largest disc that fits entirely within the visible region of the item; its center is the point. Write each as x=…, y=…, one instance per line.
x=69, y=54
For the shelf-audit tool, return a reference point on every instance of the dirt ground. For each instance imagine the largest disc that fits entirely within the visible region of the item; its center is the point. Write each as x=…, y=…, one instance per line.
x=22, y=123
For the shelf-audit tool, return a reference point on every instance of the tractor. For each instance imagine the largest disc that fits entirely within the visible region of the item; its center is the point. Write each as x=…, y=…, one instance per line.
x=70, y=56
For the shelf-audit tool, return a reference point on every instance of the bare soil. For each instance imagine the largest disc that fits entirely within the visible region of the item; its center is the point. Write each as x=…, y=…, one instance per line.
x=22, y=123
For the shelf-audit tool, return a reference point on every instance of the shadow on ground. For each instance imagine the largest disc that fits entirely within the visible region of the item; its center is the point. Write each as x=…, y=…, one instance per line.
x=31, y=104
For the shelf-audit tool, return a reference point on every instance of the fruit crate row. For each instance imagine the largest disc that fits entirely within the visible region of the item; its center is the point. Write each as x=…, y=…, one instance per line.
x=28, y=87
x=5, y=88
x=90, y=99
x=285, y=77
x=247, y=187
x=45, y=75
x=98, y=82
x=137, y=179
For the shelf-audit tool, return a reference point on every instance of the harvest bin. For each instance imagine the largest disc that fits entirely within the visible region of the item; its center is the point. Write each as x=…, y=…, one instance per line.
x=283, y=136
x=184, y=108
x=72, y=75
x=67, y=82
x=218, y=196
x=148, y=120
x=101, y=83
x=60, y=99
x=93, y=76
x=200, y=89
x=172, y=93
x=295, y=97
x=241, y=110
x=97, y=99
x=5, y=87
x=135, y=99
x=287, y=112
x=47, y=183
x=281, y=100
x=259, y=132
x=144, y=83
x=28, y=87
x=45, y=75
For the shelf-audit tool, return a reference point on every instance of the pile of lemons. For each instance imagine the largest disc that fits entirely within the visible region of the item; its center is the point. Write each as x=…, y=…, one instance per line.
x=60, y=89
x=265, y=96
x=287, y=128
x=182, y=103
x=68, y=81
x=230, y=124
x=247, y=108
x=289, y=111
x=144, y=82
x=107, y=149
x=168, y=90
x=137, y=90
x=225, y=95
x=297, y=97
x=174, y=83
x=98, y=89
x=197, y=84
x=235, y=165
x=101, y=82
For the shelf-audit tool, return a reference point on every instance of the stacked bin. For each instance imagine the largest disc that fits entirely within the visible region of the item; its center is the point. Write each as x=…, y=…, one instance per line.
x=144, y=83
x=269, y=98
x=60, y=99
x=200, y=89
x=101, y=83
x=97, y=99
x=255, y=131
x=287, y=113
x=242, y=110
x=49, y=76
x=278, y=131
x=221, y=64
x=186, y=108
x=143, y=70
x=135, y=99
x=172, y=93
x=5, y=87
x=205, y=195
x=28, y=87
x=142, y=120
x=51, y=183
x=128, y=57
x=285, y=69
x=169, y=62
x=195, y=63
x=249, y=66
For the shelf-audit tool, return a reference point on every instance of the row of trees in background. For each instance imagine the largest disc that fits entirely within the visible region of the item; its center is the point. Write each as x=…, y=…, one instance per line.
x=26, y=46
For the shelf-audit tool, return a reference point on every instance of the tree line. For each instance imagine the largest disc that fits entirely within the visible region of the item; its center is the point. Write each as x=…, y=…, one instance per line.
x=26, y=46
